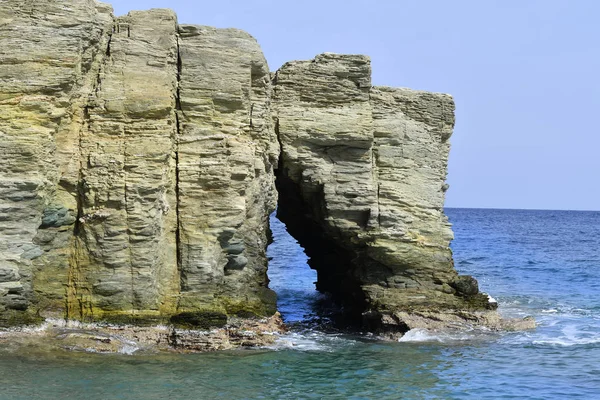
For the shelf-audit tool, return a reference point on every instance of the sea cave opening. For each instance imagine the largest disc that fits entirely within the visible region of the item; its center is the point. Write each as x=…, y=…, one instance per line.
x=291, y=277
x=312, y=275
x=306, y=296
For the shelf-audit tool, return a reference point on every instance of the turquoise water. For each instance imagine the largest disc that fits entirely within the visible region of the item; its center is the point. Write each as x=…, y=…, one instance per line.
x=540, y=263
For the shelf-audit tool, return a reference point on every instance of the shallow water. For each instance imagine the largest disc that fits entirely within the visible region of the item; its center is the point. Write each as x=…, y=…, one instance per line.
x=540, y=263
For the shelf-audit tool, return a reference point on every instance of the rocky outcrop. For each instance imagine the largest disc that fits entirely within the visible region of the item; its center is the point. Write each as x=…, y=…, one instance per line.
x=123, y=263
x=227, y=150
x=137, y=164
x=362, y=181
x=78, y=336
x=50, y=57
x=138, y=160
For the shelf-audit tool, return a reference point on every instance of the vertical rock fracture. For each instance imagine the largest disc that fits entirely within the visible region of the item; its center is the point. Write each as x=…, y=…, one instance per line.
x=138, y=160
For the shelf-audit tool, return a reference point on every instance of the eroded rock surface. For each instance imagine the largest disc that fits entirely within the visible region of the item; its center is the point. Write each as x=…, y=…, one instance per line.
x=137, y=161
x=362, y=181
x=124, y=260
x=50, y=55
x=137, y=164
x=226, y=154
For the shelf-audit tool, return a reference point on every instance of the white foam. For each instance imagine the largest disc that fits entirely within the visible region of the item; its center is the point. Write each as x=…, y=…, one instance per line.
x=558, y=330
x=309, y=341
x=424, y=336
x=566, y=342
x=128, y=347
x=571, y=336
x=419, y=335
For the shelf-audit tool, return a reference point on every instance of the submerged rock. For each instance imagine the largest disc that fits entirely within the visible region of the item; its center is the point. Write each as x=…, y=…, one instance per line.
x=138, y=160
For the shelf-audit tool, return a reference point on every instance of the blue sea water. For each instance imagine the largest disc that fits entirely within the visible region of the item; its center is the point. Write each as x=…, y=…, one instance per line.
x=540, y=263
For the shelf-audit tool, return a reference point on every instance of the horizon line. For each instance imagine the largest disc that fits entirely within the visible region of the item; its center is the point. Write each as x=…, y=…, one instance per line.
x=520, y=209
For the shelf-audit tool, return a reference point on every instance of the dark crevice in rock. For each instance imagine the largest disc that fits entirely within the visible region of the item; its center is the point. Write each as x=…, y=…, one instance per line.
x=334, y=265
x=80, y=190
x=134, y=306
x=72, y=291
x=178, y=111
x=99, y=74
x=108, y=46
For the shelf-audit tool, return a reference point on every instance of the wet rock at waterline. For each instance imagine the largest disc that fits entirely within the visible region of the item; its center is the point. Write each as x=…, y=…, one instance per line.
x=138, y=160
x=75, y=336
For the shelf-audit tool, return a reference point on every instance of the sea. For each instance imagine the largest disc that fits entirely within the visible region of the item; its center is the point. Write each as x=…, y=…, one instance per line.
x=544, y=264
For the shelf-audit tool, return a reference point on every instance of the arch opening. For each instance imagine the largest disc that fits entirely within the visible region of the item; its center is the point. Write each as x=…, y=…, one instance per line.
x=291, y=278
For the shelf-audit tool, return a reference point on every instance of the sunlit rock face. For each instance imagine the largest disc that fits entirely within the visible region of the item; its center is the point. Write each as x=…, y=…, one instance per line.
x=51, y=55
x=362, y=182
x=227, y=150
x=137, y=164
x=138, y=161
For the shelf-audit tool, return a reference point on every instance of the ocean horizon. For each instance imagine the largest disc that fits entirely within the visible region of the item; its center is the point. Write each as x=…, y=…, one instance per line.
x=517, y=209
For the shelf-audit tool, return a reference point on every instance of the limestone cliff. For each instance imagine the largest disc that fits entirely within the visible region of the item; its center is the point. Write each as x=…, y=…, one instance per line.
x=138, y=161
x=362, y=182
x=137, y=164
x=226, y=154
x=50, y=58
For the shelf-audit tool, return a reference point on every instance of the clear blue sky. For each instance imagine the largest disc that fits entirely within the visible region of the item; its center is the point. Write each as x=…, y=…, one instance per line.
x=525, y=75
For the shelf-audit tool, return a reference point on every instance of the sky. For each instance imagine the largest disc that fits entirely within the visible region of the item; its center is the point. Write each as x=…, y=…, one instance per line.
x=525, y=76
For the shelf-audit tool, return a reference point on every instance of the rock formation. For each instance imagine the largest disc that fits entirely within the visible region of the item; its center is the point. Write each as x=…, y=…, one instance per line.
x=137, y=167
x=138, y=160
x=362, y=182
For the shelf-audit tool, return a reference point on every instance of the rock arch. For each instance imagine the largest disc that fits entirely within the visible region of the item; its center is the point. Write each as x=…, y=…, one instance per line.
x=138, y=174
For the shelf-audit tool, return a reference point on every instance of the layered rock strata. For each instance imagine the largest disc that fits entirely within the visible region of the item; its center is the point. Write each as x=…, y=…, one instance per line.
x=362, y=182
x=138, y=159
x=137, y=164
x=50, y=57
x=227, y=150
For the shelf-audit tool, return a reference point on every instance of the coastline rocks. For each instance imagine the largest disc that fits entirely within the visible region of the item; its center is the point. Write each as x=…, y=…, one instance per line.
x=140, y=160
x=137, y=162
x=396, y=325
x=239, y=332
x=75, y=336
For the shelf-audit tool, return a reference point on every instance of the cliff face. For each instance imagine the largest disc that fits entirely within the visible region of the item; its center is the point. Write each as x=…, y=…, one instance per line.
x=362, y=182
x=138, y=160
x=50, y=58
x=137, y=167
x=226, y=153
